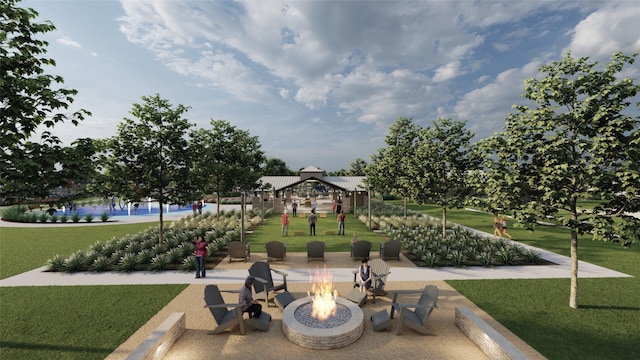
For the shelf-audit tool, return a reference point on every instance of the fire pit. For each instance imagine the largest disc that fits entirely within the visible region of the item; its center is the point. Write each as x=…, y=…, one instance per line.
x=323, y=321
x=333, y=333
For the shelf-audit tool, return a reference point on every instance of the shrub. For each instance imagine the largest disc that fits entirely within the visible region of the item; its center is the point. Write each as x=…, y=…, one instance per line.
x=532, y=256
x=64, y=218
x=88, y=218
x=54, y=218
x=43, y=217
x=189, y=263
x=56, y=263
x=104, y=216
x=75, y=217
x=159, y=262
x=128, y=262
x=75, y=262
x=101, y=263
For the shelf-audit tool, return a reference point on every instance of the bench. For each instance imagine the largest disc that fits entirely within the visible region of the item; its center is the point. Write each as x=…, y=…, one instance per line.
x=34, y=207
x=323, y=215
x=491, y=342
x=302, y=215
x=298, y=233
x=329, y=232
x=156, y=345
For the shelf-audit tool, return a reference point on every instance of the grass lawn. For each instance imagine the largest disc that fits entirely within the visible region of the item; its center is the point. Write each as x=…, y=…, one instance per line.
x=606, y=324
x=69, y=322
x=270, y=230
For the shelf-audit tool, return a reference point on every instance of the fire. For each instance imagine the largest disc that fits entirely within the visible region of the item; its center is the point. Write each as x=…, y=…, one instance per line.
x=324, y=300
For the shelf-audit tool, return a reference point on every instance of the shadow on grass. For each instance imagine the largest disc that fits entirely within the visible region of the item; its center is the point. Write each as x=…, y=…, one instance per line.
x=49, y=347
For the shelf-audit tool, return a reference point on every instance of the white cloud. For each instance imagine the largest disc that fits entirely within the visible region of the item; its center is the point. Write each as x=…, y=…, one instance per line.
x=67, y=41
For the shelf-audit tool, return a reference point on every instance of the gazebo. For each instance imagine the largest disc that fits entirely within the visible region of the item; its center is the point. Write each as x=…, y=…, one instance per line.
x=277, y=192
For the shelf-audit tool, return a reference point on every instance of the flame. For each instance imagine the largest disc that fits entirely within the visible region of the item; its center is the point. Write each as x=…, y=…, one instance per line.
x=324, y=300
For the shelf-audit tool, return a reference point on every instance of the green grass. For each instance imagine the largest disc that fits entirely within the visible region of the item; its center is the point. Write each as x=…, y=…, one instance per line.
x=23, y=249
x=75, y=322
x=270, y=230
x=606, y=324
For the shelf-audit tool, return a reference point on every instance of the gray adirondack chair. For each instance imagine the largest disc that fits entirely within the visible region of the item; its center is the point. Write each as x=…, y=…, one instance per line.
x=390, y=249
x=380, y=270
x=263, y=284
x=415, y=316
x=360, y=249
x=315, y=250
x=225, y=318
x=276, y=250
x=239, y=250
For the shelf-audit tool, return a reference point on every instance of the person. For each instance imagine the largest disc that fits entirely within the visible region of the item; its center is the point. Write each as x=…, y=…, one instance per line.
x=312, y=223
x=364, y=275
x=113, y=204
x=246, y=299
x=201, y=251
x=339, y=205
x=200, y=207
x=314, y=205
x=194, y=206
x=294, y=208
x=341, y=217
x=354, y=239
x=334, y=206
x=284, y=221
x=500, y=225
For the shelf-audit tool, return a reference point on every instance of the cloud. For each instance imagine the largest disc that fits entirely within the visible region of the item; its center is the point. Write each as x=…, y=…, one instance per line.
x=67, y=41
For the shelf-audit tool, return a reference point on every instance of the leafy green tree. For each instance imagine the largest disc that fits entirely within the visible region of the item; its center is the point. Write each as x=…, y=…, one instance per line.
x=29, y=99
x=151, y=156
x=357, y=167
x=388, y=170
x=442, y=168
x=227, y=159
x=276, y=167
x=579, y=139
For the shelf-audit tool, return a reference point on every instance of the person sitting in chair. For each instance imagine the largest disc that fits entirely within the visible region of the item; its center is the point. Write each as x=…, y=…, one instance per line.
x=364, y=275
x=246, y=299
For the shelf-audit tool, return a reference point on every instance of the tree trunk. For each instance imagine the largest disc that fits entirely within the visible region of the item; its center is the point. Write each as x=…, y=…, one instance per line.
x=218, y=206
x=444, y=222
x=573, y=298
x=242, y=218
x=161, y=235
x=404, y=199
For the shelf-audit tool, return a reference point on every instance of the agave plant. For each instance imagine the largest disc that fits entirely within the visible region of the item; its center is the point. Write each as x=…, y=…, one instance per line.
x=144, y=257
x=75, y=262
x=485, y=258
x=128, y=262
x=430, y=259
x=532, y=257
x=174, y=255
x=101, y=263
x=56, y=263
x=189, y=263
x=160, y=262
x=457, y=257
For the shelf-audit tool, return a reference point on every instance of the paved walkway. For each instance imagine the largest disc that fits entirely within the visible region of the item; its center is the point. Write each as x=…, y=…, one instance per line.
x=446, y=343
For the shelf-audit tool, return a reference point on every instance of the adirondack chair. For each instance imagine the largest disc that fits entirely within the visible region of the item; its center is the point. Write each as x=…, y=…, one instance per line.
x=276, y=250
x=380, y=270
x=390, y=249
x=415, y=319
x=264, y=284
x=360, y=249
x=225, y=318
x=239, y=251
x=315, y=250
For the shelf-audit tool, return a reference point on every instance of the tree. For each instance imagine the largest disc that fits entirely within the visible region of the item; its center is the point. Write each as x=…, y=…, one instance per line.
x=276, y=167
x=227, y=158
x=357, y=167
x=388, y=170
x=574, y=142
x=29, y=99
x=442, y=168
x=150, y=155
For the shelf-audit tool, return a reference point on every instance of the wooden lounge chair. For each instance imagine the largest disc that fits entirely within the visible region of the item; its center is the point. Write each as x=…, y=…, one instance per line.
x=263, y=283
x=390, y=249
x=360, y=249
x=276, y=250
x=415, y=319
x=239, y=251
x=380, y=270
x=315, y=250
x=225, y=318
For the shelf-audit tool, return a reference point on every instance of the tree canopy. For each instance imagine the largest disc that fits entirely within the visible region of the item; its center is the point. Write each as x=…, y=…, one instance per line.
x=30, y=99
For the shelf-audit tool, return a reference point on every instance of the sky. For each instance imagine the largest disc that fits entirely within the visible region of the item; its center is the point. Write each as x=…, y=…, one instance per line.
x=319, y=82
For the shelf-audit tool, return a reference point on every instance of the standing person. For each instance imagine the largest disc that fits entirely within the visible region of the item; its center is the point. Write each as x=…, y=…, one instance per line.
x=354, y=239
x=341, y=217
x=364, y=275
x=246, y=299
x=314, y=205
x=194, y=206
x=312, y=223
x=284, y=221
x=503, y=226
x=113, y=204
x=339, y=205
x=201, y=252
x=294, y=208
x=334, y=207
x=200, y=207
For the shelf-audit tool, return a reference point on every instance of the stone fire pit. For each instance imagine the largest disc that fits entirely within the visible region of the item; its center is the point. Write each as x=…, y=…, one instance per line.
x=336, y=332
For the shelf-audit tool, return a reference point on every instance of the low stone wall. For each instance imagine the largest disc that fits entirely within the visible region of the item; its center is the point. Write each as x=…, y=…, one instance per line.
x=492, y=343
x=161, y=339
